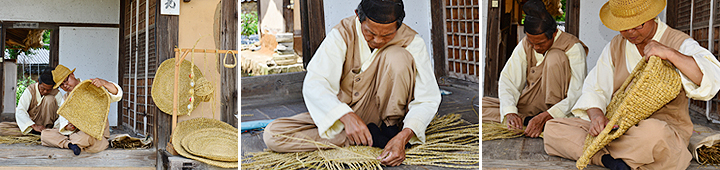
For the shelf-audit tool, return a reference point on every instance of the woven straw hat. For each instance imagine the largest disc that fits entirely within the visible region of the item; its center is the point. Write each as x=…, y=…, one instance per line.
x=648, y=88
x=87, y=108
x=622, y=15
x=188, y=128
x=59, y=74
x=162, y=91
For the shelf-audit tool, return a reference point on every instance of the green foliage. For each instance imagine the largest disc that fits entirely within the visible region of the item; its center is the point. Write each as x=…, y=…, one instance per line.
x=22, y=84
x=46, y=38
x=249, y=23
x=564, y=7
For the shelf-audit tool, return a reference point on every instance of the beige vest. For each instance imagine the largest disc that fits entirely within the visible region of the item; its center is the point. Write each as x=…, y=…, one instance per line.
x=352, y=90
x=675, y=113
x=564, y=42
x=35, y=108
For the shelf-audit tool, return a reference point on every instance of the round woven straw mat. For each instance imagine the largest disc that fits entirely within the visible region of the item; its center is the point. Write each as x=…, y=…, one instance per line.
x=648, y=88
x=87, y=108
x=184, y=128
x=162, y=91
x=212, y=143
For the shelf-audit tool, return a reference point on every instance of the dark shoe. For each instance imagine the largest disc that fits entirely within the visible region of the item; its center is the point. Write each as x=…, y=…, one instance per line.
x=34, y=132
x=74, y=148
x=379, y=140
x=614, y=164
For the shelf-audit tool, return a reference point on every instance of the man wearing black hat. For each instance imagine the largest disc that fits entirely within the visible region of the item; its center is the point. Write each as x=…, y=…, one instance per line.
x=370, y=82
x=543, y=77
x=36, y=109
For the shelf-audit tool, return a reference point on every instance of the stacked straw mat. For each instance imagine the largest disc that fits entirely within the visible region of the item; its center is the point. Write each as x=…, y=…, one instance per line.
x=207, y=140
x=648, y=88
x=87, y=108
x=450, y=142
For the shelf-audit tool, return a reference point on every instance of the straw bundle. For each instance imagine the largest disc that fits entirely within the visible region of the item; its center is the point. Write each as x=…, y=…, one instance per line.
x=29, y=139
x=709, y=154
x=648, y=88
x=492, y=131
x=450, y=142
x=125, y=141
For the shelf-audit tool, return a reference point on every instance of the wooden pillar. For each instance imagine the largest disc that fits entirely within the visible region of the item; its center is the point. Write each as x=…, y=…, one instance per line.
x=122, y=57
x=313, y=27
x=288, y=16
x=438, y=39
x=55, y=47
x=228, y=76
x=572, y=17
x=166, y=34
x=2, y=65
x=672, y=13
x=492, y=50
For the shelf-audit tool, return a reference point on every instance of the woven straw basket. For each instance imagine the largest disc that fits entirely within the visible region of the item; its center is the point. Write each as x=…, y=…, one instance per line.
x=212, y=143
x=648, y=88
x=186, y=129
x=162, y=91
x=87, y=108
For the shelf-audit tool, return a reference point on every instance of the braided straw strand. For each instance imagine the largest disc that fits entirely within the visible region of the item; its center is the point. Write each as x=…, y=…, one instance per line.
x=647, y=89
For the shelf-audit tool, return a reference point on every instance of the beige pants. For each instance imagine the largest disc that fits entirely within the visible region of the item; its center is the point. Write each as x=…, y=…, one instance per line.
x=651, y=144
x=383, y=100
x=544, y=89
x=53, y=138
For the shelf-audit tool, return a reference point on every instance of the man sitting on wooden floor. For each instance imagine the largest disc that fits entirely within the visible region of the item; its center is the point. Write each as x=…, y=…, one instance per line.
x=37, y=108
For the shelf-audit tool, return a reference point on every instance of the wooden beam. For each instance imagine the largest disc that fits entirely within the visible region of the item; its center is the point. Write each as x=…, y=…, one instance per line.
x=55, y=47
x=313, y=27
x=438, y=39
x=121, y=59
x=288, y=16
x=166, y=34
x=672, y=13
x=228, y=94
x=492, y=50
x=2, y=65
x=572, y=17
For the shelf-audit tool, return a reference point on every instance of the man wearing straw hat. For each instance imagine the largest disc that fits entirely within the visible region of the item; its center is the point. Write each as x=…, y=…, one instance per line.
x=37, y=108
x=370, y=82
x=660, y=141
x=543, y=77
x=64, y=134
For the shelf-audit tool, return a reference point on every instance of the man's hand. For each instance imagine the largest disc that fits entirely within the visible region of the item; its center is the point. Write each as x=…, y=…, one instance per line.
x=654, y=48
x=37, y=128
x=356, y=130
x=394, y=152
x=536, y=124
x=104, y=83
x=597, y=121
x=513, y=121
x=70, y=127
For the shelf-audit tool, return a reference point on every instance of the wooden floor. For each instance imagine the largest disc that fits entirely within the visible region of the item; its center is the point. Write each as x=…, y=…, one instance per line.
x=529, y=153
x=21, y=156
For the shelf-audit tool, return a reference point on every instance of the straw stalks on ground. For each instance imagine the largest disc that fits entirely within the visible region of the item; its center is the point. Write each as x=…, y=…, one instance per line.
x=30, y=139
x=450, y=142
x=492, y=131
x=709, y=155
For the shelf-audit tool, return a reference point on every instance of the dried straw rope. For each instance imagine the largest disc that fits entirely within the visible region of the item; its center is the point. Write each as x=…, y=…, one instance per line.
x=29, y=139
x=709, y=155
x=648, y=88
x=449, y=143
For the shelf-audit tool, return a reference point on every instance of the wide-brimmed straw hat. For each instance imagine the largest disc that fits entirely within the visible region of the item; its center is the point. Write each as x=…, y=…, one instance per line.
x=59, y=74
x=87, y=108
x=190, y=131
x=622, y=15
x=162, y=91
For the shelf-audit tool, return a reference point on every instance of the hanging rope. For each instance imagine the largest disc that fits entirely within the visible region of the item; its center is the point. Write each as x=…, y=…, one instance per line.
x=225, y=59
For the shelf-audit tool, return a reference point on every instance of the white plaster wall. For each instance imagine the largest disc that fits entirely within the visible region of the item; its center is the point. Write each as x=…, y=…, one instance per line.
x=94, y=52
x=10, y=68
x=592, y=31
x=417, y=16
x=272, y=16
x=70, y=11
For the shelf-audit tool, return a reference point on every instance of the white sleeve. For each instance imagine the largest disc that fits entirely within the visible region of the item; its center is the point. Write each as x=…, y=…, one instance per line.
x=576, y=56
x=322, y=84
x=512, y=80
x=115, y=97
x=21, y=112
x=426, y=93
x=709, y=66
x=598, y=86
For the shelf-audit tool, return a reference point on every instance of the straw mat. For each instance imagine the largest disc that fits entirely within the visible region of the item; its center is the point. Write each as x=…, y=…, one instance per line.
x=212, y=143
x=648, y=88
x=162, y=91
x=450, y=142
x=87, y=108
x=187, y=127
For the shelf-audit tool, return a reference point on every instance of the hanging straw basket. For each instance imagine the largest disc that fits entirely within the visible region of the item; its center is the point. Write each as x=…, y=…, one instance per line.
x=648, y=88
x=162, y=91
x=195, y=128
x=87, y=108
